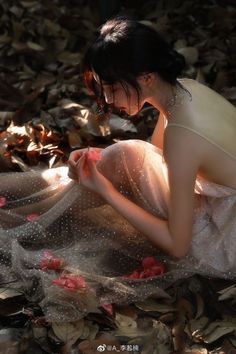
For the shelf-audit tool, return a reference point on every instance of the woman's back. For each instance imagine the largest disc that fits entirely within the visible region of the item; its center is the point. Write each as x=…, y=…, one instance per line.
x=213, y=119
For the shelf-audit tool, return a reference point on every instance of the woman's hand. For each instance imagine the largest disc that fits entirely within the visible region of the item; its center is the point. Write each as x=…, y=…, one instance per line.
x=89, y=176
x=73, y=161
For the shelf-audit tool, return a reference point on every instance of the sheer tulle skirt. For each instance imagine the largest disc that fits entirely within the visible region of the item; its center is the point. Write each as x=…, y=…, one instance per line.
x=45, y=210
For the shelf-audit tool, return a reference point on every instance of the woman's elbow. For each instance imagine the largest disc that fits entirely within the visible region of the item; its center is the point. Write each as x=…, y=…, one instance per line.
x=178, y=252
x=180, y=245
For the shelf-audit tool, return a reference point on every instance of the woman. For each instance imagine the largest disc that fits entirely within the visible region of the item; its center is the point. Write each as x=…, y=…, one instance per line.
x=195, y=133
x=176, y=195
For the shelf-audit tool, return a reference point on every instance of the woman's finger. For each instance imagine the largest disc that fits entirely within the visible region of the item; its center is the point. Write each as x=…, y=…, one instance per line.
x=74, y=157
x=81, y=167
x=72, y=175
x=92, y=166
x=71, y=167
x=71, y=163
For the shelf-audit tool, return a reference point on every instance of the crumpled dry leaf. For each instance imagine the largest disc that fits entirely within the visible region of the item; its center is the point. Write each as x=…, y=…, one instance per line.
x=155, y=305
x=34, y=46
x=126, y=326
x=11, y=339
x=118, y=124
x=228, y=293
x=160, y=340
x=195, y=327
x=4, y=117
x=190, y=54
x=69, y=58
x=196, y=351
x=74, y=139
x=218, y=329
x=83, y=117
x=203, y=331
x=6, y=293
x=200, y=306
x=229, y=93
x=70, y=331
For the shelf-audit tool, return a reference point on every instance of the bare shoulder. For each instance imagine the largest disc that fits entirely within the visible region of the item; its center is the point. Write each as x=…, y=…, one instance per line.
x=205, y=99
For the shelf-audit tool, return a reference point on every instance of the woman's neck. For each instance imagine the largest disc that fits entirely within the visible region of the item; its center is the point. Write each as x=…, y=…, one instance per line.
x=162, y=96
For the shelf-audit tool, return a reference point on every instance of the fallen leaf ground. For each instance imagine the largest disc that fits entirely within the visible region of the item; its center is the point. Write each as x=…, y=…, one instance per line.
x=45, y=112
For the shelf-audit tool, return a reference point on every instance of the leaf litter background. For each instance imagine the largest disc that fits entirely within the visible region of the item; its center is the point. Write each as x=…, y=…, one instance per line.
x=45, y=112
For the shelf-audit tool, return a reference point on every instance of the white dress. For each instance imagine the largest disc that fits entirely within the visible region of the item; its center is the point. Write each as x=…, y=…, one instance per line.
x=93, y=240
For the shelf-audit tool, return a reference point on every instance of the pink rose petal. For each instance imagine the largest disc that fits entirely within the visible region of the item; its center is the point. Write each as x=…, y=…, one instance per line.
x=151, y=267
x=3, y=202
x=108, y=308
x=50, y=262
x=47, y=254
x=93, y=155
x=32, y=217
x=71, y=282
x=148, y=262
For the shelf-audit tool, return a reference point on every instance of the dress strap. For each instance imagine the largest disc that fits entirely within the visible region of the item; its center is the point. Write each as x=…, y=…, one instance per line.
x=202, y=136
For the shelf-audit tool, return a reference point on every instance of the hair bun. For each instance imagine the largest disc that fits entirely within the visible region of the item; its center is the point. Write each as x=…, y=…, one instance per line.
x=175, y=65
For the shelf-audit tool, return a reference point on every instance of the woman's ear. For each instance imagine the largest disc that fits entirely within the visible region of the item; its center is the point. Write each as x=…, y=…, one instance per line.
x=147, y=80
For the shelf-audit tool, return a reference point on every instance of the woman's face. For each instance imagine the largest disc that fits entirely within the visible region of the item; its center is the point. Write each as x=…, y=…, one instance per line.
x=122, y=97
x=125, y=99
x=118, y=96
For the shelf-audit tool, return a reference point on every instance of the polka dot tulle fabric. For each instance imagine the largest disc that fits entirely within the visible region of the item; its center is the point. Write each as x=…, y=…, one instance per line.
x=45, y=211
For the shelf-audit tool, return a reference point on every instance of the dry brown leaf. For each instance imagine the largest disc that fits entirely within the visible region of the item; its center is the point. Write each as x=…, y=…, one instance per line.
x=117, y=124
x=155, y=305
x=29, y=4
x=195, y=327
x=200, y=306
x=5, y=116
x=4, y=39
x=69, y=58
x=74, y=139
x=190, y=54
x=127, y=310
x=229, y=93
x=70, y=331
x=6, y=293
x=19, y=46
x=196, y=351
x=126, y=326
x=218, y=329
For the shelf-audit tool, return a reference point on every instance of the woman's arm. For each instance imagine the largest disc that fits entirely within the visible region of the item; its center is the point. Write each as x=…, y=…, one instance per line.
x=172, y=235
x=183, y=153
x=154, y=228
x=158, y=134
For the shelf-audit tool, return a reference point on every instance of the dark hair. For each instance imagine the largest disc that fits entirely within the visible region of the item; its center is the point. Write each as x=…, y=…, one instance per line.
x=125, y=49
